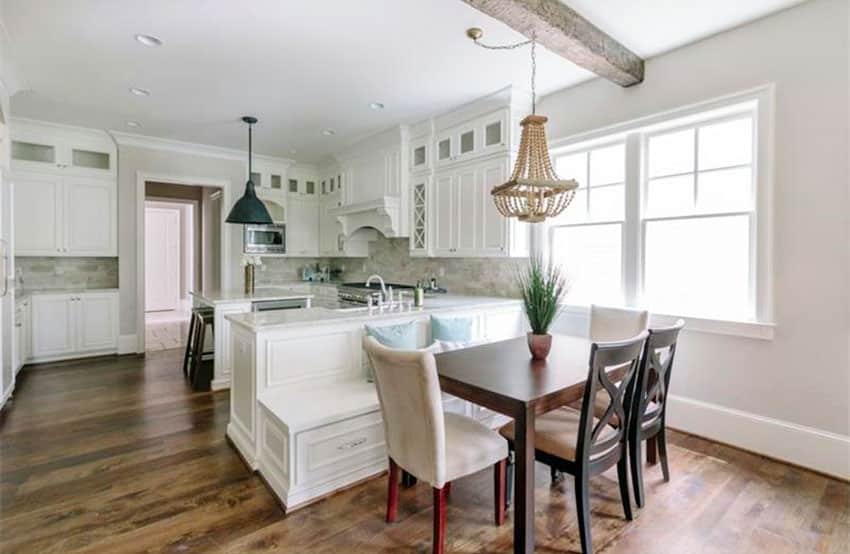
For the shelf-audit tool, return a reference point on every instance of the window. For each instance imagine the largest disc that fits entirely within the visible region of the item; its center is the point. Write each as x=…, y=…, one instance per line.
x=665, y=216
x=587, y=237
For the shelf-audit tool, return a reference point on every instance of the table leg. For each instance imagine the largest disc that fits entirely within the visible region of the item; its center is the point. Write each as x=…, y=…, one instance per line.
x=524, y=495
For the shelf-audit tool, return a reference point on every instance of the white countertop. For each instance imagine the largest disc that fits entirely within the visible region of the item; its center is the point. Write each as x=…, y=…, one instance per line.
x=262, y=321
x=214, y=297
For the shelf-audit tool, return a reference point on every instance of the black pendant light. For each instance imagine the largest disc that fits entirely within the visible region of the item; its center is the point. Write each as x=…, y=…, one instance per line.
x=249, y=210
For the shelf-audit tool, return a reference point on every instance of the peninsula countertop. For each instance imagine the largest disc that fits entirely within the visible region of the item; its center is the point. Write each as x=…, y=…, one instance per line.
x=214, y=297
x=263, y=321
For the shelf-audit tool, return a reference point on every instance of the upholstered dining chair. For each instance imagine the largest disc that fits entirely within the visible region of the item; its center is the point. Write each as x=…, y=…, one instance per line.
x=432, y=446
x=649, y=409
x=577, y=442
x=613, y=324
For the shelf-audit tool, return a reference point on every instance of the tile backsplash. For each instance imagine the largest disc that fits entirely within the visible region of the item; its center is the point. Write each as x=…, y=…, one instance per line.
x=63, y=273
x=390, y=258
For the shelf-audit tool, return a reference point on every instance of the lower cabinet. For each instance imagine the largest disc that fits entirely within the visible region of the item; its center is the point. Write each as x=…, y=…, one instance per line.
x=69, y=325
x=23, y=333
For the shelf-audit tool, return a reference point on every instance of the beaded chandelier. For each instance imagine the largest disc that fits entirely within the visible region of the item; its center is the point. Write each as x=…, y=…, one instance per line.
x=534, y=191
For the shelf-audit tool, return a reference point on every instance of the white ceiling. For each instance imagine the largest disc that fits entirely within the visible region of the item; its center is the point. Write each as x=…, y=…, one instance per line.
x=300, y=66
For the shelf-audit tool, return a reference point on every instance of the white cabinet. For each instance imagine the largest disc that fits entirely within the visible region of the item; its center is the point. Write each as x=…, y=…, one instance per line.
x=476, y=137
x=420, y=202
x=275, y=203
x=23, y=333
x=67, y=325
x=64, y=215
x=465, y=220
x=38, y=146
x=302, y=229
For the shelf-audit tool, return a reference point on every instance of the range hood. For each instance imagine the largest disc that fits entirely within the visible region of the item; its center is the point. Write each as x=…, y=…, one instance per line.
x=383, y=214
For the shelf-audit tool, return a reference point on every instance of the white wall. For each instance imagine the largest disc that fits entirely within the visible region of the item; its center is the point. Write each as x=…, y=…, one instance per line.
x=133, y=160
x=788, y=397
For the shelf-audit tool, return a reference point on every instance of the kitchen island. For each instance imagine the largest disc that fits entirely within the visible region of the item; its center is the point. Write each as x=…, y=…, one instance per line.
x=226, y=302
x=302, y=411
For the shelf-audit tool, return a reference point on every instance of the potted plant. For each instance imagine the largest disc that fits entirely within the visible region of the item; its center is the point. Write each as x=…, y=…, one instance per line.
x=542, y=287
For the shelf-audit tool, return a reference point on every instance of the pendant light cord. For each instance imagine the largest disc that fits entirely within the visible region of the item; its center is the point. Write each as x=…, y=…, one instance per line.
x=250, y=169
x=533, y=42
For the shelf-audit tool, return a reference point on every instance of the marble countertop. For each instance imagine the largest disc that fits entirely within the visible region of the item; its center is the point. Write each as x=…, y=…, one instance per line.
x=214, y=297
x=263, y=321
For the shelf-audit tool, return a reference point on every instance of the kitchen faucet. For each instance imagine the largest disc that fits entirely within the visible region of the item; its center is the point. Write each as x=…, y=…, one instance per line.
x=381, y=282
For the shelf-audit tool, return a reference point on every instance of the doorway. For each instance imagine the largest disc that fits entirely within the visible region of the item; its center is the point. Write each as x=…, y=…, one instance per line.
x=178, y=259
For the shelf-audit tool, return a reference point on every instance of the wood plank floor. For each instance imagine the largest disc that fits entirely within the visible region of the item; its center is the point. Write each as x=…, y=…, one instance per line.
x=116, y=455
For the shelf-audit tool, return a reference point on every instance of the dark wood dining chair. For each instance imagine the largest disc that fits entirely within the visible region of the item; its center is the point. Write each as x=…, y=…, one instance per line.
x=577, y=442
x=649, y=411
x=425, y=442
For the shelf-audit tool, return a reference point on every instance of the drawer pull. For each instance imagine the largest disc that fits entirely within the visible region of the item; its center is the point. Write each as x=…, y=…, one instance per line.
x=351, y=444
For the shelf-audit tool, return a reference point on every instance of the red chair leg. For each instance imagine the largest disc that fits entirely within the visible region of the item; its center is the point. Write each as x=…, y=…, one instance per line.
x=439, y=520
x=652, y=451
x=499, y=482
x=392, y=492
x=448, y=487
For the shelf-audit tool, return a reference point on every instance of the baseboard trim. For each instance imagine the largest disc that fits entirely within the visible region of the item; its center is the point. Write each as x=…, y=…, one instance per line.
x=7, y=394
x=220, y=384
x=821, y=451
x=128, y=344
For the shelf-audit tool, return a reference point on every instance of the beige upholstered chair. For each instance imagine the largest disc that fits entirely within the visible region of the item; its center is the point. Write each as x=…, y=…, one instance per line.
x=613, y=324
x=432, y=446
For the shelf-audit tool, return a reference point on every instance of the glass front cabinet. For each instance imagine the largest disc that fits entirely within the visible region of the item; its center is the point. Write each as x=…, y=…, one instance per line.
x=419, y=204
x=50, y=148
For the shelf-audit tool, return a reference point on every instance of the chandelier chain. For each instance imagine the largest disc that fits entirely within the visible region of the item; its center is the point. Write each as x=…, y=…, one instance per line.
x=533, y=42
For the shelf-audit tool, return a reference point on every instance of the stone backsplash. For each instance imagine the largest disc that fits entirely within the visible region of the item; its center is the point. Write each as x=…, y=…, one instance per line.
x=64, y=273
x=390, y=258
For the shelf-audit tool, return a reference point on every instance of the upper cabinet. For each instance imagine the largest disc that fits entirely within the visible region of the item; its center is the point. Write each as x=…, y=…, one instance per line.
x=43, y=147
x=478, y=136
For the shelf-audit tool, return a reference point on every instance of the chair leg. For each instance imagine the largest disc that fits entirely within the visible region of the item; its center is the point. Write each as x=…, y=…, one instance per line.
x=392, y=492
x=448, y=487
x=652, y=450
x=583, y=513
x=499, y=473
x=623, y=478
x=636, y=462
x=509, y=480
x=662, y=453
x=439, y=520
x=188, y=351
x=197, y=352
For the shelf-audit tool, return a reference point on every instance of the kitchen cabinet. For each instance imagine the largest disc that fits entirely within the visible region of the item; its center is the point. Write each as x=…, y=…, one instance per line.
x=64, y=215
x=68, y=325
x=23, y=333
x=466, y=222
x=302, y=229
x=330, y=234
x=472, y=139
x=62, y=149
x=420, y=240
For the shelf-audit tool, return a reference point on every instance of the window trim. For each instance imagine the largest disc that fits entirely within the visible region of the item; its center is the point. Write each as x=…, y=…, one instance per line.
x=761, y=101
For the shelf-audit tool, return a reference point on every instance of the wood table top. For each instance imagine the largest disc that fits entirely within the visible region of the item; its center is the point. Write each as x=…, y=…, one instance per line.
x=506, y=369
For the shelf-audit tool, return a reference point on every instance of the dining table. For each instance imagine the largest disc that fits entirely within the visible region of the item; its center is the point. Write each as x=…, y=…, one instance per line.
x=502, y=377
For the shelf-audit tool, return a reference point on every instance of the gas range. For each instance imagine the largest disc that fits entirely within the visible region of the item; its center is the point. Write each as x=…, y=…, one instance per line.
x=360, y=293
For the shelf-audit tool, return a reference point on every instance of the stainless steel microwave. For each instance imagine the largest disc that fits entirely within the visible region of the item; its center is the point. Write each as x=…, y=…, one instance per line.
x=265, y=239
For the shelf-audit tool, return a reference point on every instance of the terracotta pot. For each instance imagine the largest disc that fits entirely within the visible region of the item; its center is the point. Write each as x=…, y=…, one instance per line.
x=539, y=345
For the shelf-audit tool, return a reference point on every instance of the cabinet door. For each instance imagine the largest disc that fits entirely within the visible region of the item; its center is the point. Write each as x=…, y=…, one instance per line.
x=419, y=225
x=302, y=232
x=90, y=208
x=444, y=214
x=53, y=325
x=38, y=215
x=328, y=228
x=492, y=226
x=466, y=216
x=97, y=321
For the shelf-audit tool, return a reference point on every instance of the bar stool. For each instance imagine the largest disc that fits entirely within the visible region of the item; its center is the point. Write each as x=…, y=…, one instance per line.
x=190, y=338
x=200, y=374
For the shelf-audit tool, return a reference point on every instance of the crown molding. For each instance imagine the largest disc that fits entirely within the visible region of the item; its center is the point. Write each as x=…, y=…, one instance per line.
x=156, y=143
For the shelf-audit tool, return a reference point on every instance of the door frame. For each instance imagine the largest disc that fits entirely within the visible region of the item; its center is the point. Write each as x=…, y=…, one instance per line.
x=143, y=177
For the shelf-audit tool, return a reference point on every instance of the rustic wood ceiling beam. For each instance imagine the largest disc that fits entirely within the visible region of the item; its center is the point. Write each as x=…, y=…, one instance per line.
x=563, y=31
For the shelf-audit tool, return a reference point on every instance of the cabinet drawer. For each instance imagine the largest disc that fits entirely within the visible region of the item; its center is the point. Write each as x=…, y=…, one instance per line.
x=330, y=451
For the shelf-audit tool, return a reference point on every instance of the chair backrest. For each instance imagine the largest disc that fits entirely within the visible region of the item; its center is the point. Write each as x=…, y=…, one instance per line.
x=653, y=377
x=613, y=366
x=411, y=405
x=616, y=324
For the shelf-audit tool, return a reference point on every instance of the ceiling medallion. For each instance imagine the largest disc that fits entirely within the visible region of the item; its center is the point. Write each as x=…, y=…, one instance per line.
x=534, y=191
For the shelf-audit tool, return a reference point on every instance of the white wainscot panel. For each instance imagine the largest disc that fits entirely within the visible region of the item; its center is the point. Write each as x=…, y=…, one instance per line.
x=327, y=356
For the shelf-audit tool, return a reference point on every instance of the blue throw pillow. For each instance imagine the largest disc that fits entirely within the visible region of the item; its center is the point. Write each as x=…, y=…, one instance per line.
x=402, y=336
x=451, y=329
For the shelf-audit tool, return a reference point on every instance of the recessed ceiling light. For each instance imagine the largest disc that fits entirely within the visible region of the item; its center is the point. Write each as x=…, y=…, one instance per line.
x=328, y=132
x=133, y=124
x=376, y=106
x=140, y=91
x=149, y=40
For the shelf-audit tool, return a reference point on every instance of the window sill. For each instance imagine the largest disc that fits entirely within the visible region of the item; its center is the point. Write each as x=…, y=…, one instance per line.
x=735, y=328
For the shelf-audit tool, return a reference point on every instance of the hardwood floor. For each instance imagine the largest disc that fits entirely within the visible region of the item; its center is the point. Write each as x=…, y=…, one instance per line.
x=117, y=455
